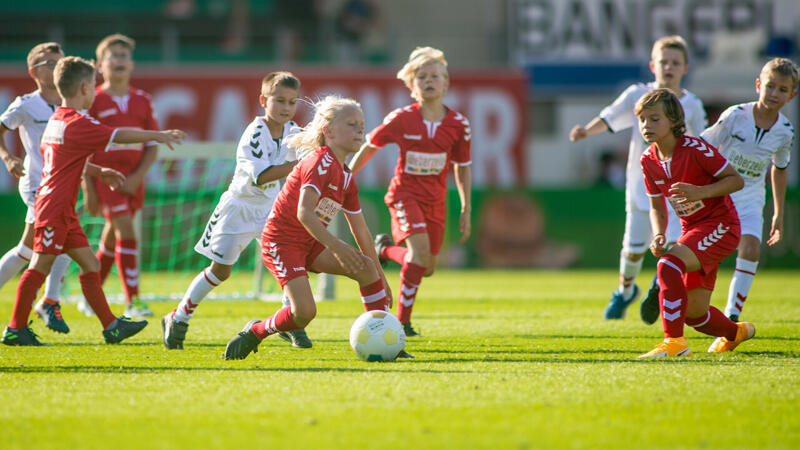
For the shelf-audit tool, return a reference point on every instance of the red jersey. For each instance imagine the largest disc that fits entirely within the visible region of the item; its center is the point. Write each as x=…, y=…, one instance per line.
x=68, y=140
x=335, y=185
x=426, y=151
x=693, y=161
x=135, y=110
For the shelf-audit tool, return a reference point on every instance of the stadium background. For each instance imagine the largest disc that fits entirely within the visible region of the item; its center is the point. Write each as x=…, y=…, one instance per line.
x=524, y=72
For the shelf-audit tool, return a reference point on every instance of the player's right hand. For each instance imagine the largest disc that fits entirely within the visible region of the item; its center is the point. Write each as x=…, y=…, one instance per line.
x=112, y=178
x=657, y=245
x=578, y=132
x=14, y=165
x=171, y=137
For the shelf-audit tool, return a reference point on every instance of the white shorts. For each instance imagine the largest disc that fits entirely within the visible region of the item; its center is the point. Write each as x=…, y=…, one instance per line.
x=638, y=235
x=29, y=198
x=231, y=228
x=751, y=217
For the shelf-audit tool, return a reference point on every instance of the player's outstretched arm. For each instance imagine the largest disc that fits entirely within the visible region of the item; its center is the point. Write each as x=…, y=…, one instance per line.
x=347, y=256
x=596, y=126
x=13, y=164
x=276, y=172
x=778, y=199
x=658, y=223
x=364, y=154
x=463, y=176
x=168, y=137
x=362, y=235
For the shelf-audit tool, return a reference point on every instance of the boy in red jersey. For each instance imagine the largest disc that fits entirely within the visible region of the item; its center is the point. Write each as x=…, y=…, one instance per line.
x=69, y=139
x=296, y=240
x=431, y=136
x=696, y=180
x=119, y=105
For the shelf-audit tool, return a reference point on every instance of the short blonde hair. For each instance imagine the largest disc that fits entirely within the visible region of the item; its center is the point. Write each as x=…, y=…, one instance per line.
x=782, y=66
x=275, y=79
x=114, y=39
x=42, y=49
x=672, y=108
x=674, y=42
x=312, y=136
x=418, y=58
x=70, y=72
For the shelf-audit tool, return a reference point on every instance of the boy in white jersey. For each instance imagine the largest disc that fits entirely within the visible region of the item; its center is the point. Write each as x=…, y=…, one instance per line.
x=669, y=63
x=30, y=113
x=750, y=136
x=238, y=219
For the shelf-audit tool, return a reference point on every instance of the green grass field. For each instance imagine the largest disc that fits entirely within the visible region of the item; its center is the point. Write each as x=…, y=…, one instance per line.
x=510, y=359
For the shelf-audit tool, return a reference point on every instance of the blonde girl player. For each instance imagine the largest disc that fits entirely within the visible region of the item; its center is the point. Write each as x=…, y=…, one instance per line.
x=750, y=136
x=431, y=136
x=695, y=179
x=669, y=62
x=29, y=113
x=296, y=240
x=242, y=210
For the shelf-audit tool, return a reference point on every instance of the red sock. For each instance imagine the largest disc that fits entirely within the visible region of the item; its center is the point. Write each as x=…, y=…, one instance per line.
x=28, y=287
x=672, y=298
x=106, y=262
x=394, y=253
x=128, y=267
x=714, y=323
x=93, y=292
x=373, y=296
x=280, y=321
x=410, y=279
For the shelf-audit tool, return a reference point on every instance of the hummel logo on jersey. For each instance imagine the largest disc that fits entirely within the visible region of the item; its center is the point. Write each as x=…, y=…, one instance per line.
x=325, y=162
x=739, y=138
x=699, y=145
x=220, y=255
x=412, y=137
x=332, y=187
x=712, y=238
x=659, y=181
x=47, y=239
x=298, y=269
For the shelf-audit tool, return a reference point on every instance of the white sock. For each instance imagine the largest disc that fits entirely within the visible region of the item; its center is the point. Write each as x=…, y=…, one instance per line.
x=13, y=261
x=740, y=286
x=628, y=271
x=202, y=284
x=52, y=286
x=285, y=300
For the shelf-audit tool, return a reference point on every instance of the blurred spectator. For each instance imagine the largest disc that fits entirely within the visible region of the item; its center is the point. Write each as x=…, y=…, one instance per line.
x=297, y=24
x=359, y=32
x=180, y=9
x=612, y=171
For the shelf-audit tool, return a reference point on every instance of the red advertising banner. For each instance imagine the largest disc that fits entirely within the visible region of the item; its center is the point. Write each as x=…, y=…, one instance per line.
x=215, y=104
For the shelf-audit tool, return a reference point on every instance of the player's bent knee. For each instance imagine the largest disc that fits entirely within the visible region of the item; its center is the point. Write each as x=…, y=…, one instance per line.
x=303, y=315
x=91, y=265
x=429, y=271
x=634, y=256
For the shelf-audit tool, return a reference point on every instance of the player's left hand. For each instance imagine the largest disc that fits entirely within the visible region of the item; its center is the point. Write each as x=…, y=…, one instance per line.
x=775, y=232
x=685, y=192
x=171, y=137
x=465, y=225
x=112, y=178
x=14, y=165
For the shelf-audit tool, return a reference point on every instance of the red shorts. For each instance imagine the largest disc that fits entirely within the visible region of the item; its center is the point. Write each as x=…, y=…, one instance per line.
x=286, y=261
x=711, y=241
x=410, y=217
x=56, y=238
x=115, y=203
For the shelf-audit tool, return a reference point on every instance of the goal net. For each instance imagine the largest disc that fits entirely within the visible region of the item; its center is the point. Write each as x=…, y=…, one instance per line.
x=182, y=189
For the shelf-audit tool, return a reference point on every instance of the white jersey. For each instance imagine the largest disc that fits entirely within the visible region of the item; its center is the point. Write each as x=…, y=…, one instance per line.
x=619, y=116
x=29, y=113
x=246, y=204
x=750, y=149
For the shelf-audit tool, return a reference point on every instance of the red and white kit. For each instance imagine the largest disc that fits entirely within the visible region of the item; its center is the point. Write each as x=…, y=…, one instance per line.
x=287, y=248
x=68, y=140
x=710, y=227
x=134, y=111
x=416, y=195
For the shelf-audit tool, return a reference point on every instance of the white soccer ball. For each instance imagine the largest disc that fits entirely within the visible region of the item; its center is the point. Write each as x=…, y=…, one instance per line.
x=377, y=336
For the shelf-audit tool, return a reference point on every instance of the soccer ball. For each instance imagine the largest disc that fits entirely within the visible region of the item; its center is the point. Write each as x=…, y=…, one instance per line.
x=377, y=336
